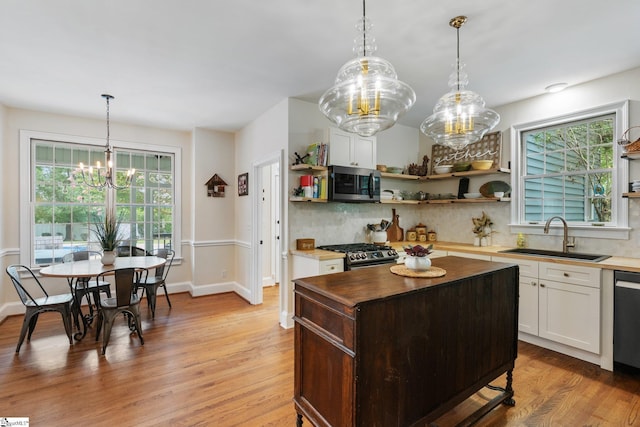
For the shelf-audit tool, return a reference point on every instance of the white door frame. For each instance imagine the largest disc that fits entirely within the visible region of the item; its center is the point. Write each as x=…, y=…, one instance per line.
x=255, y=274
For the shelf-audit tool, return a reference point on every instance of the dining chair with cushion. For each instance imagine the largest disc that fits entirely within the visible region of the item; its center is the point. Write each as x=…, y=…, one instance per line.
x=158, y=280
x=85, y=287
x=38, y=303
x=126, y=301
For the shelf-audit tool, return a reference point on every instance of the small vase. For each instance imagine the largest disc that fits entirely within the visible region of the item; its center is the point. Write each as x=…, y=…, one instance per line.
x=476, y=241
x=108, y=257
x=417, y=263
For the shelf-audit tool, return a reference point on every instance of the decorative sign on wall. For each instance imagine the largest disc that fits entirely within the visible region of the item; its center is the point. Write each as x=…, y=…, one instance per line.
x=215, y=186
x=243, y=184
x=488, y=148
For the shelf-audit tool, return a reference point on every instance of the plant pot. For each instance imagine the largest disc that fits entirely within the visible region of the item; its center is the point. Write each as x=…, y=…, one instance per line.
x=417, y=263
x=108, y=257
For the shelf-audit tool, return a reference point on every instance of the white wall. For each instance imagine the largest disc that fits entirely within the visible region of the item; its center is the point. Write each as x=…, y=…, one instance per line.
x=265, y=136
x=213, y=221
x=398, y=146
x=607, y=90
x=3, y=183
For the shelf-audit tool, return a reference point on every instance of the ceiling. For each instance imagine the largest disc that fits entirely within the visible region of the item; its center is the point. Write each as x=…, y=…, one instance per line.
x=181, y=64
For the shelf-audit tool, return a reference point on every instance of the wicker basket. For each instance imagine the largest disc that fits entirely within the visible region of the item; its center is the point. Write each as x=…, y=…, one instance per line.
x=629, y=147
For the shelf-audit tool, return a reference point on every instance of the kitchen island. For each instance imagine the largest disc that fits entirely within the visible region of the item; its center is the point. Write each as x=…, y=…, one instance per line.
x=377, y=349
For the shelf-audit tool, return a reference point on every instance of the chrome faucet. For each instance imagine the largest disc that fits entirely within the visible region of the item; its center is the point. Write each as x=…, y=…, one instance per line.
x=566, y=244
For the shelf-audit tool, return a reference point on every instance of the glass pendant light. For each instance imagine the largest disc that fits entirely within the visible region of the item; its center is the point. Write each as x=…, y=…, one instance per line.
x=460, y=117
x=367, y=96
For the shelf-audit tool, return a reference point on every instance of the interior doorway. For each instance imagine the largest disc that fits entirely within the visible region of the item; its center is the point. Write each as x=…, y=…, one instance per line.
x=267, y=235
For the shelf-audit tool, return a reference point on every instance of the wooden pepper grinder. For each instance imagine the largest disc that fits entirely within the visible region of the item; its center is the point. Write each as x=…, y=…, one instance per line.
x=394, y=232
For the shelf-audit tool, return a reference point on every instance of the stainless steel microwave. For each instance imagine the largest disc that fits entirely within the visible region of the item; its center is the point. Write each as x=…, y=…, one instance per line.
x=348, y=184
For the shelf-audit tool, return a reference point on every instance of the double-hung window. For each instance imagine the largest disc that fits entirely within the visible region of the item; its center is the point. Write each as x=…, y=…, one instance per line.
x=571, y=167
x=58, y=210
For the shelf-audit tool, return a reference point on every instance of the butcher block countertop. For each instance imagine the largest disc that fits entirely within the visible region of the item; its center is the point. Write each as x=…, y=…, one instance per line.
x=612, y=263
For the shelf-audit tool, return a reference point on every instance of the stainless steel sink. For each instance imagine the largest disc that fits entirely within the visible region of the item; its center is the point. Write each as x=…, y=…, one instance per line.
x=556, y=254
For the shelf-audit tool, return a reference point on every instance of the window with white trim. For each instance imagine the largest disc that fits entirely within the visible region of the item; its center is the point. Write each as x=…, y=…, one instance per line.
x=62, y=209
x=570, y=167
x=568, y=171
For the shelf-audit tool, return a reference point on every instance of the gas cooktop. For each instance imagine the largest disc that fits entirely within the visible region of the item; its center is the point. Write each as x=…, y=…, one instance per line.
x=363, y=254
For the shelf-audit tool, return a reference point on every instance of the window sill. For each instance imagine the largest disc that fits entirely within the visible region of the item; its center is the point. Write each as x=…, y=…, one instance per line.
x=594, y=232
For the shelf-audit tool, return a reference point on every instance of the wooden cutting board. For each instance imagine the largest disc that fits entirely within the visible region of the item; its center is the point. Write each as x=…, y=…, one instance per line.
x=394, y=232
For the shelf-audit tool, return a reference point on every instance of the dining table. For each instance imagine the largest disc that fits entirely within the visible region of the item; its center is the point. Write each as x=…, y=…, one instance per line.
x=93, y=268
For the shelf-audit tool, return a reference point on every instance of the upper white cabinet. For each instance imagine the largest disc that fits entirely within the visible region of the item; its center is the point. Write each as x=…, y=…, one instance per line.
x=348, y=149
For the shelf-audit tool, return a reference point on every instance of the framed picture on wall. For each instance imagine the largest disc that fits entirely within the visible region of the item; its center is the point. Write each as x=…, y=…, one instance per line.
x=243, y=184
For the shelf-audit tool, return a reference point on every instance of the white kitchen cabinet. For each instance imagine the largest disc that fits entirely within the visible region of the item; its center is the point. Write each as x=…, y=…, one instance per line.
x=308, y=266
x=528, y=291
x=570, y=310
x=348, y=149
x=560, y=303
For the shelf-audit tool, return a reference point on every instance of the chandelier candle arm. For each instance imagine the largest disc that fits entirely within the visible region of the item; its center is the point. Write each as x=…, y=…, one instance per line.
x=100, y=177
x=460, y=117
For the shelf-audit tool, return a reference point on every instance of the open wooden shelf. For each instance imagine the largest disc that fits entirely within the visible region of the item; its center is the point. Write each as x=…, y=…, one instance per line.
x=307, y=199
x=304, y=167
x=440, y=201
x=632, y=195
x=444, y=175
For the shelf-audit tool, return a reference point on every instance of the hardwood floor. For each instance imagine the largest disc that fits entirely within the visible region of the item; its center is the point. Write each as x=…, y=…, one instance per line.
x=218, y=361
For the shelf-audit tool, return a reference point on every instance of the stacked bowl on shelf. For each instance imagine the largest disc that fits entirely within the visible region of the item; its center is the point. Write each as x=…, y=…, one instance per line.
x=635, y=186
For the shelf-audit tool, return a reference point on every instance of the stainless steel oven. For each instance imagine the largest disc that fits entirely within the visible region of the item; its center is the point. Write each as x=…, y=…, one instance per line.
x=363, y=255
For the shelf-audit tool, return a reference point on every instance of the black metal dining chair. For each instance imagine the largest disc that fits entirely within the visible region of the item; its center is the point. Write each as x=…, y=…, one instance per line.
x=126, y=301
x=85, y=287
x=158, y=280
x=38, y=303
x=131, y=251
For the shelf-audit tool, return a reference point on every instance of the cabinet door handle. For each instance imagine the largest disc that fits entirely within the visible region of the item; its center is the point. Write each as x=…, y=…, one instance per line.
x=566, y=274
x=542, y=285
x=533, y=283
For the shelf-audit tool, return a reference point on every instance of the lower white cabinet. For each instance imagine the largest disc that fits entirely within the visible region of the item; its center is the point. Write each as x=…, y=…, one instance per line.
x=528, y=289
x=570, y=310
x=559, y=302
x=308, y=266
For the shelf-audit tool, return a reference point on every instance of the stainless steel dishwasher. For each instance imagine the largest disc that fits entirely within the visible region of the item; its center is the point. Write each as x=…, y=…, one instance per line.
x=626, y=319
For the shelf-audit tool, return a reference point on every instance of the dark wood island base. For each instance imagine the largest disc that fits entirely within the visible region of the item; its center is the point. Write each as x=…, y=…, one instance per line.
x=376, y=349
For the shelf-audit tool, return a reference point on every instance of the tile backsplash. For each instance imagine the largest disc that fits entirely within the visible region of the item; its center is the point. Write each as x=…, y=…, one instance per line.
x=334, y=223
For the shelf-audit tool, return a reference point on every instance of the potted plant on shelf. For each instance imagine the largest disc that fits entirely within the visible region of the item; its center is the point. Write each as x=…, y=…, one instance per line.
x=107, y=232
x=417, y=257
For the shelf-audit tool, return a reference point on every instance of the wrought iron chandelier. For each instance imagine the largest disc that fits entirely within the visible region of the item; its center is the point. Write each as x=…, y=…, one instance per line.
x=367, y=96
x=104, y=176
x=460, y=117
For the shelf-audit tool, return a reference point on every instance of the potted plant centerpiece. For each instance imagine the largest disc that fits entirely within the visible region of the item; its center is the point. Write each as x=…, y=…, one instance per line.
x=108, y=233
x=417, y=258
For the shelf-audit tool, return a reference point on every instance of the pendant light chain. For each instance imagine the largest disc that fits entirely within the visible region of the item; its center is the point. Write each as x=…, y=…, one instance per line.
x=108, y=97
x=364, y=28
x=458, y=55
